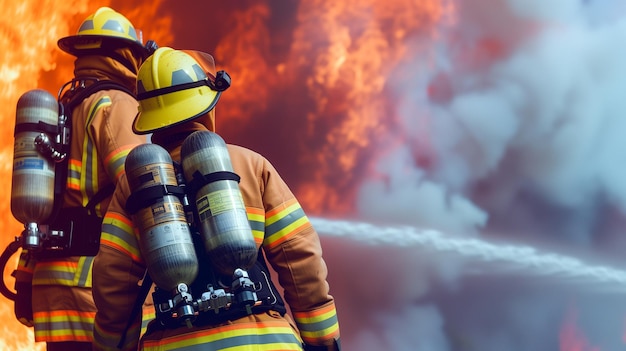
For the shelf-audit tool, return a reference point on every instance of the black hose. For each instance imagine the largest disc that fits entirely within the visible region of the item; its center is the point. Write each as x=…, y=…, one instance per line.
x=4, y=258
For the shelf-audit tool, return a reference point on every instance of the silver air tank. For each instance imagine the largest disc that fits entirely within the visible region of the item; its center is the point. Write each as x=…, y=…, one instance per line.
x=32, y=188
x=164, y=236
x=224, y=225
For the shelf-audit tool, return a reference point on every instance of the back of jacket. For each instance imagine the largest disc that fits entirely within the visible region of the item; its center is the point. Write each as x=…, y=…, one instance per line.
x=280, y=228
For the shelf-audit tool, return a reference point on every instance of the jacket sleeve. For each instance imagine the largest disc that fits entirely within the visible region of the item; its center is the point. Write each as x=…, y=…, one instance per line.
x=117, y=272
x=112, y=131
x=293, y=248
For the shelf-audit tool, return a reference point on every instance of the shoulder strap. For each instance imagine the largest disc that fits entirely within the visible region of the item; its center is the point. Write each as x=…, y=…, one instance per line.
x=87, y=91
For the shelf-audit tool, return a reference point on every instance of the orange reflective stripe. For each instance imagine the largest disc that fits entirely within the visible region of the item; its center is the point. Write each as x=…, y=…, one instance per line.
x=283, y=223
x=73, y=178
x=256, y=217
x=118, y=233
x=115, y=160
x=64, y=325
x=318, y=324
x=57, y=265
x=236, y=337
x=280, y=208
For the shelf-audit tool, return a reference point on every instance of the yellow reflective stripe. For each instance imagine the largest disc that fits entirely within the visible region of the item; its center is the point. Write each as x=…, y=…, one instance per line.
x=89, y=174
x=118, y=233
x=82, y=277
x=147, y=315
x=64, y=272
x=282, y=225
x=318, y=324
x=256, y=217
x=115, y=160
x=73, y=179
x=64, y=325
x=278, y=213
x=233, y=337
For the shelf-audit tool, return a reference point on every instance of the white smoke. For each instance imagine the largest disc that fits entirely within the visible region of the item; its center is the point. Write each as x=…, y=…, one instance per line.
x=527, y=137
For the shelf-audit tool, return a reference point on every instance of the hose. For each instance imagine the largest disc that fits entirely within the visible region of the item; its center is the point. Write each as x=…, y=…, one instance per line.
x=4, y=258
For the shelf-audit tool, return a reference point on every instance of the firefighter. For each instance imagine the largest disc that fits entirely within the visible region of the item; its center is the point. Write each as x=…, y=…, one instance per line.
x=54, y=294
x=177, y=92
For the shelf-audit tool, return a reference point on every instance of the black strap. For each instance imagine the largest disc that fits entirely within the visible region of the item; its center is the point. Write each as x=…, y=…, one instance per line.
x=99, y=196
x=147, y=196
x=172, y=89
x=199, y=180
x=81, y=94
x=36, y=127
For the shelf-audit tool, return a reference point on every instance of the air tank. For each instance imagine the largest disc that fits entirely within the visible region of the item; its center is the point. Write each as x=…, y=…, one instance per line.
x=32, y=188
x=224, y=225
x=164, y=236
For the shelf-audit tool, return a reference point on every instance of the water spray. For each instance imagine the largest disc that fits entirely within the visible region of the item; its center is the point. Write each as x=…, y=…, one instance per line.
x=539, y=263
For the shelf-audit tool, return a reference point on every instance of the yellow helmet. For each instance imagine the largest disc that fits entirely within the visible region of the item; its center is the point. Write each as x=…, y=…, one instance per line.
x=106, y=29
x=172, y=88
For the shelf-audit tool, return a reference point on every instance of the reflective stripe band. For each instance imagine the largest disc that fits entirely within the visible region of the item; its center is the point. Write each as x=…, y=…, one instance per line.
x=66, y=272
x=90, y=163
x=117, y=233
x=147, y=315
x=64, y=325
x=73, y=178
x=284, y=224
x=83, y=271
x=256, y=217
x=115, y=160
x=236, y=337
x=321, y=324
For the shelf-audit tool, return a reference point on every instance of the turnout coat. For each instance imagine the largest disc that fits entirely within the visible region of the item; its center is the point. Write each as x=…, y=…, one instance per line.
x=280, y=228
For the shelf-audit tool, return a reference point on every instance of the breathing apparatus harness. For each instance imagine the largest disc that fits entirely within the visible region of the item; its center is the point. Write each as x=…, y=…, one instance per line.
x=70, y=231
x=212, y=297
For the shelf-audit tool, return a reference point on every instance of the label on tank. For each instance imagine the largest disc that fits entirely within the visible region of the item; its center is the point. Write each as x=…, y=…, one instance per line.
x=214, y=203
x=30, y=164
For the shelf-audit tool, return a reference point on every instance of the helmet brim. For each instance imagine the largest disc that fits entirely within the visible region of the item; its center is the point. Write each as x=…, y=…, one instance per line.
x=174, y=114
x=78, y=45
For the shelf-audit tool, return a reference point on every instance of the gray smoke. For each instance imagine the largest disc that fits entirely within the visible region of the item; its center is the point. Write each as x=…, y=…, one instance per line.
x=522, y=121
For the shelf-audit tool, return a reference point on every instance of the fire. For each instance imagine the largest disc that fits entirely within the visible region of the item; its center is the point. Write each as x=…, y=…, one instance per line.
x=31, y=59
x=344, y=54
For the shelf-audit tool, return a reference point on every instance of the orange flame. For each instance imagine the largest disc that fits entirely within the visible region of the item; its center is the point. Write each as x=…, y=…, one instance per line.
x=31, y=59
x=347, y=50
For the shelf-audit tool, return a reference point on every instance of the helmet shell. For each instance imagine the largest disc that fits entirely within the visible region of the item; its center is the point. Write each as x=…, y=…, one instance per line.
x=169, y=70
x=104, y=29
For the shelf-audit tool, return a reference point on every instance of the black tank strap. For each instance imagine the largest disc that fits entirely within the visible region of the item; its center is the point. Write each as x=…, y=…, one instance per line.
x=199, y=180
x=147, y=196
x=39, y=126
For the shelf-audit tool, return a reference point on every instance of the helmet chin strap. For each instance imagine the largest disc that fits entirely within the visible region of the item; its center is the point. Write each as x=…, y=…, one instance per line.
x=222, y=82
